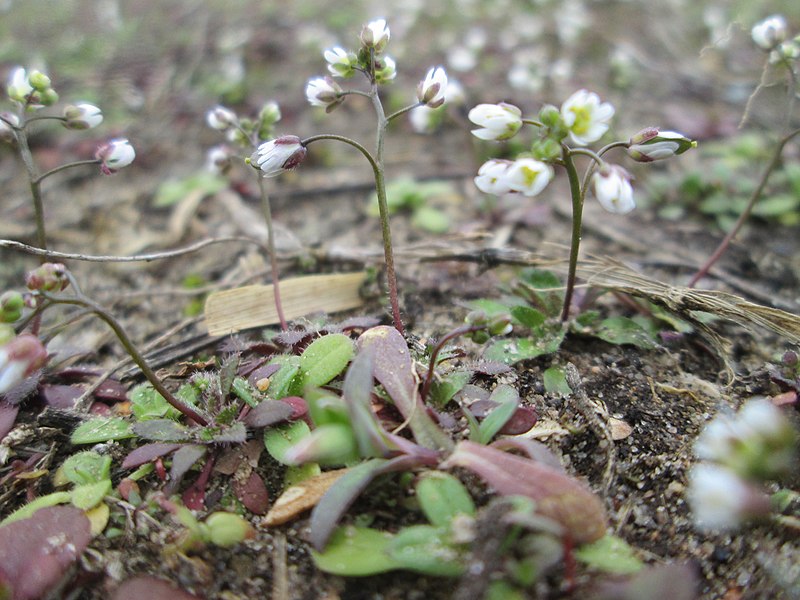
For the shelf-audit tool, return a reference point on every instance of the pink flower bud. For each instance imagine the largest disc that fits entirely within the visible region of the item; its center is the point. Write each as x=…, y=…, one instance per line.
x=19, y=358
x=276, y=156
x=49, y=277
x=115, y=155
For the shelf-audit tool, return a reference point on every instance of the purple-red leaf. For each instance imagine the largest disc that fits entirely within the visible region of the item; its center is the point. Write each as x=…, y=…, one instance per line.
x=150, y=588
x=253, y=494
x=393, y=368
x=36, y=552
x=558, y=496
x=60, y=396
x=147, y=453
x=8, y=416
x=182, y=461
x=267, y=413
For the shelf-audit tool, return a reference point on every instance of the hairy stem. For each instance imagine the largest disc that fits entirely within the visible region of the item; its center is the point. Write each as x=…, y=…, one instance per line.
x=762, y=182
x=273, y=259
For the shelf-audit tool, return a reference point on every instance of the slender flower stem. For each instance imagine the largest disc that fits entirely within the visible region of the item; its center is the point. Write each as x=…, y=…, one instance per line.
x=273, y=259
x=380, y=188
x=458, y=331
x=726, y=241
x=80, y=163
x=36, y=192
x=577, y=216
x=403, y=111
x=80, y=300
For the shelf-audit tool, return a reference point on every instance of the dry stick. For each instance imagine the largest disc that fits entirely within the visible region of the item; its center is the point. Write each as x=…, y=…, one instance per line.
x=723, y=246
x=14, y=245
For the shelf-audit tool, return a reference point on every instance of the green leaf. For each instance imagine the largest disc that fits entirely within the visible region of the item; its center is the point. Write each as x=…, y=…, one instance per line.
x=775, y=206
x=86, y=467
x=277, y=440
x=147, y=403
x=527, y=316
x=161, y=430
x=622, y=330
x=281, y=381
x=555, y=381
x=545, y=340
x=423, y=549
x=31, y=507
x=90, y=495
x=244, y=391
x=610, y=554
x=101, y=429
x=323, y=360
x=492, y=308
x=442, y=391
x=442, y=496
x=356, y=552
x=508, y=400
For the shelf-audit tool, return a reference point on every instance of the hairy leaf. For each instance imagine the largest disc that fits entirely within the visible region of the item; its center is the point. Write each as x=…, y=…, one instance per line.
x=277, y=440
x=442, y=496
x=102, y=429
x=356, y=551
x=507, y=400
x=161, y=430
x=424, y=549
x=323, y=360
x=268, y=413
x=147, y=453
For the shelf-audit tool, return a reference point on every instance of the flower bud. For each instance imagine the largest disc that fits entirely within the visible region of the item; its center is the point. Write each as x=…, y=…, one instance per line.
x=476, y=318
x=500, y=324
x=340, y=62
x=220, y=118
x=218, y=160
x=324, y=92
x=497, y=121
x=612, y=188
x=769, y=33
x=82, y=116
x=39, y=81
x=115, y=155
x=546, y=149
x=19, y=358
x=19, y=88
x=270, y=114
x=550, y=116
x=276, y=156
x=385, y=70
x=652, y=144
x=11, y=305
x=785, y=52
x=375, y=34
x=227, y=529
x=48, y=277
x=431, y=90
x=46, y=98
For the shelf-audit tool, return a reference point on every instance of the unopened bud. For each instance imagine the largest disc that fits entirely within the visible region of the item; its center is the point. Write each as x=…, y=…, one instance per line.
x=11, y=305
x=82, y=116
x=39, y=81
x=652, y=144
x=276, y=156
x=375, y=34
x=220, y=118
x=49, y=277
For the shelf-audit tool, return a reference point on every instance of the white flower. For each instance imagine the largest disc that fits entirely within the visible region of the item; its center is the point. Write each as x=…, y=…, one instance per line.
x=115, y=155
x=324, y=92
x=340, y=62
x=497, y=121
x=387, y=70
x=769, y=33
x=375, y=34
x=720, y=500
x=586, y=117
x=82, y=116
x=719, y=439
x=612, y=188
x=652, y=144
x=276, y=156
x=528, y=176
x=492, y=177
x=19, y=88
x=431, y=91
x=220, y=118
x=19, y=358
x=218, y=159
x=426, y=120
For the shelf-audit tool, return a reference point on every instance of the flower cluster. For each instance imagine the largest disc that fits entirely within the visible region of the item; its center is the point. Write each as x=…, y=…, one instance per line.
x=582, y=119
x=33, y=90
x=738, y=452
x=240, y=132
x=771, y=34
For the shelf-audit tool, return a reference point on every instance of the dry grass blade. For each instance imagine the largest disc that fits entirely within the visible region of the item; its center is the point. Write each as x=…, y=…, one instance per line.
x=229, y=311
x=613, y=274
